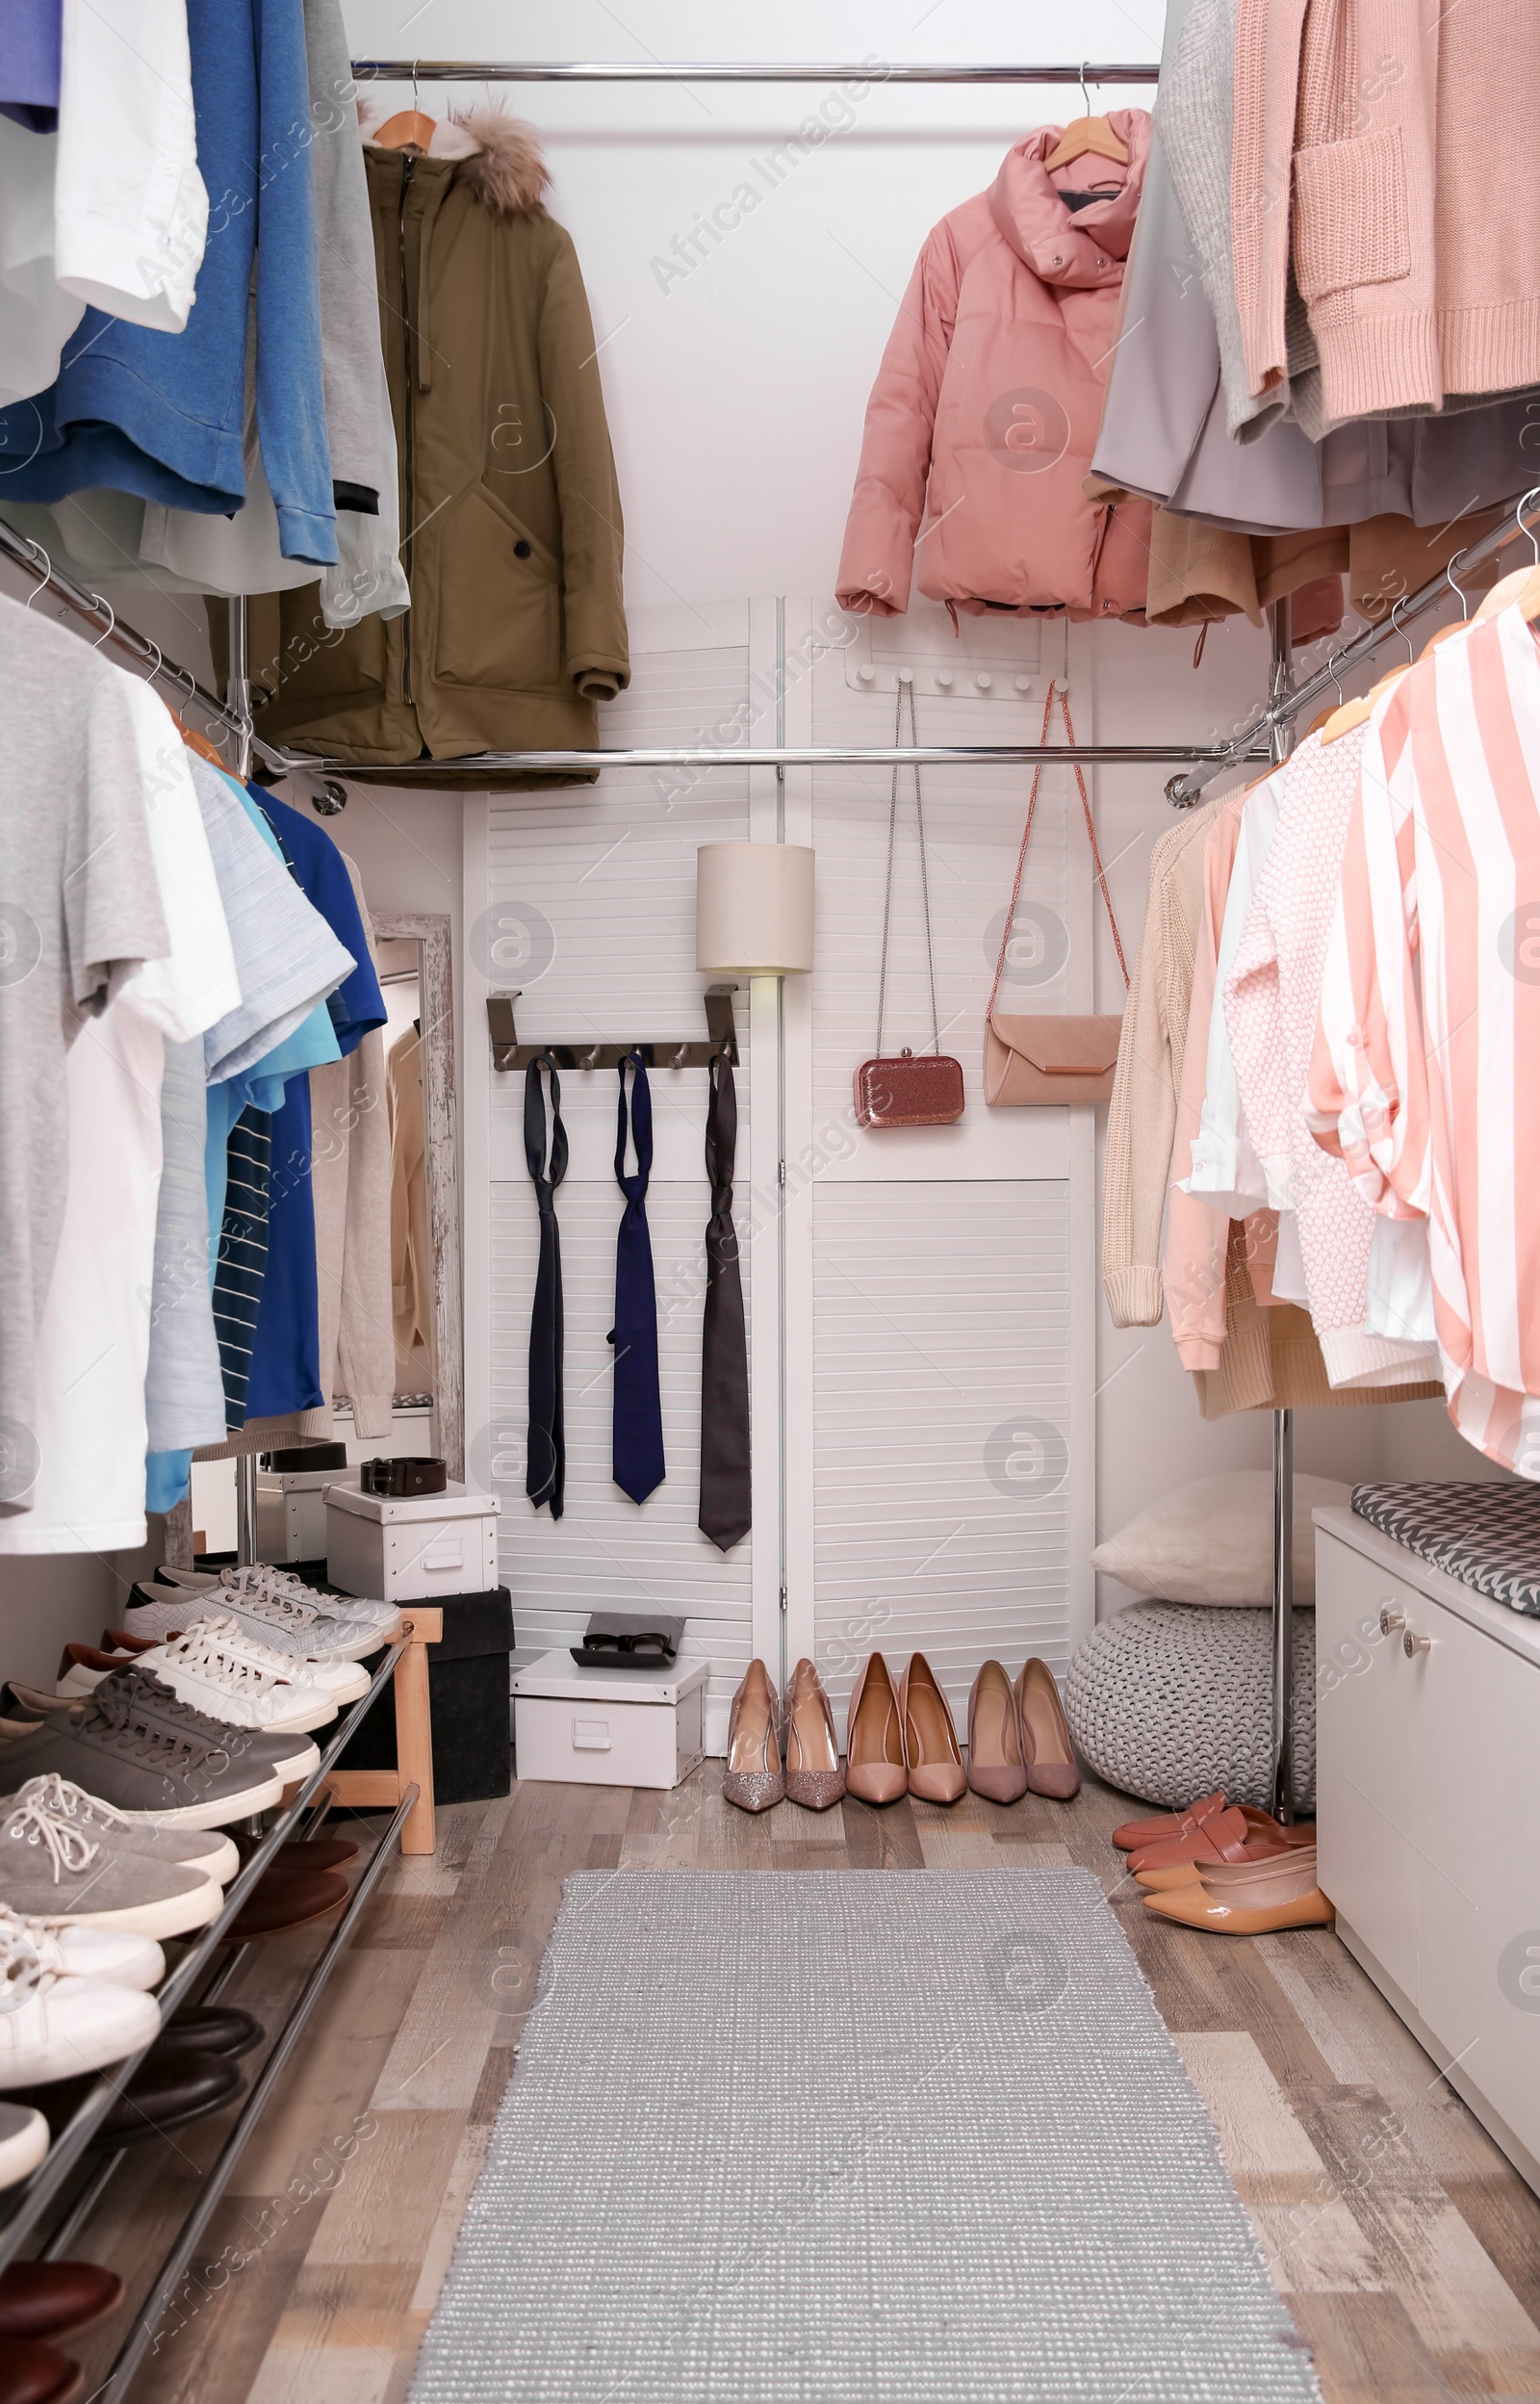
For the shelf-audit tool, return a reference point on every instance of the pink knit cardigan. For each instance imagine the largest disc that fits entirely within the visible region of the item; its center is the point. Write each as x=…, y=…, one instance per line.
x=1381, y=147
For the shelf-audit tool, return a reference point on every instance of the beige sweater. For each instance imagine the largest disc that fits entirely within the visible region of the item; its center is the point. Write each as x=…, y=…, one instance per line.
x=1379, y=157
x=1142, y=1120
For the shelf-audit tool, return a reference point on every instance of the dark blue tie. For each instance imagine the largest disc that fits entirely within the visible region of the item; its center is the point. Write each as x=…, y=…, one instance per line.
x=546, y=1459
x=637, y=1426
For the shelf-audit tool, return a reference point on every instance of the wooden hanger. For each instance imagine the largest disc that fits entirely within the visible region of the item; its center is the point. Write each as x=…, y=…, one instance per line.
x=1506, y=589
x=1355, y=713
x=1081, y=134
x=200, y=743
x=409, y=129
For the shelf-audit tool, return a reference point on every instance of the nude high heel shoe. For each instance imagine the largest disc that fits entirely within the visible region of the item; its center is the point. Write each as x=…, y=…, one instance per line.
x=814, y=1778
x=875, y=1768
x=996, y=1768
x=1045, y=1738
x=753, y=1778
x=935, y=1772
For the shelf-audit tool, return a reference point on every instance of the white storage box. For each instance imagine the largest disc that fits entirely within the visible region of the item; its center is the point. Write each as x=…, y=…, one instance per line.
x=291, y=1512
x=411, y=1549
x=607, y=1727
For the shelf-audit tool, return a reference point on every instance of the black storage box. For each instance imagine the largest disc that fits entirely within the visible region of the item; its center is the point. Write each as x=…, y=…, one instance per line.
x=467, y=1703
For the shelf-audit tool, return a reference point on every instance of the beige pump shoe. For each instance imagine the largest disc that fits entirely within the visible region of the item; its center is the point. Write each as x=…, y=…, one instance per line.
x=814, y=1778
x=996, y=1766
x=753, y=1778
x=1045, y=1738
x=875, y=1768
x=1249, y=1898
x=935, y=1772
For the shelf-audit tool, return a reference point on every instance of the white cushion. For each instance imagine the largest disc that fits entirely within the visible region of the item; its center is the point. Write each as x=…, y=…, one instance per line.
x=1212, y=1541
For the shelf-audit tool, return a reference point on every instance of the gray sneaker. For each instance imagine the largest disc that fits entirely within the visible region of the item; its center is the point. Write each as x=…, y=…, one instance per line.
x=205, y=1849
x=50, y=1869
x=285, y=1755
x=113, y=1747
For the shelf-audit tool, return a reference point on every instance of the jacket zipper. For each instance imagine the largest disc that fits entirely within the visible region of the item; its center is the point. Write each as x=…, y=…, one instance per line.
x=408, y=347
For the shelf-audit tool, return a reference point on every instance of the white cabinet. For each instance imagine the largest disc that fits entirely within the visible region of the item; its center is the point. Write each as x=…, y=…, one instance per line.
x=1428, y=1803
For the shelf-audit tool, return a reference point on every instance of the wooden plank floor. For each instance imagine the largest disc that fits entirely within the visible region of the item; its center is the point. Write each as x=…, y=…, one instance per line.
x=1410, y=2251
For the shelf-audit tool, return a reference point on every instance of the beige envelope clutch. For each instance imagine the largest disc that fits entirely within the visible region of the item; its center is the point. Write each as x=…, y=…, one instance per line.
x=1038, y=1059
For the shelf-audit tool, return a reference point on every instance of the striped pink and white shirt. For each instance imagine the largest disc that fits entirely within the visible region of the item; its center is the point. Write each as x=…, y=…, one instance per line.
x=1426, y=1071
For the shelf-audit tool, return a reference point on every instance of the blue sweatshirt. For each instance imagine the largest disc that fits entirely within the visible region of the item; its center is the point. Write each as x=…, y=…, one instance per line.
x=163, y=414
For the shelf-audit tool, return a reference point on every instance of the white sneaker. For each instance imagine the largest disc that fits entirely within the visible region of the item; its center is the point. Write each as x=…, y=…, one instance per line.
x=262, y=1578
x=55, y=2025
x=23, y=2142
x=301, y=1617
x=340, y=1681
x=208, y=1667
x=208, y=1850
x=113, y=1955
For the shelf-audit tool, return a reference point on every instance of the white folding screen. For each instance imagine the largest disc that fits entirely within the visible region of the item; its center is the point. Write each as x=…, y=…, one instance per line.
x=921, y=1303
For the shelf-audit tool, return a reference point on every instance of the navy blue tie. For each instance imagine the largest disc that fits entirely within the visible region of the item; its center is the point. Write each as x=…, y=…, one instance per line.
x=545, y=1458
x=636, y=1451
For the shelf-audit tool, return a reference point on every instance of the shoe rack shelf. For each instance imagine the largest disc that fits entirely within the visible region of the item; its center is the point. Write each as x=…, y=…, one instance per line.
x=406, y=1791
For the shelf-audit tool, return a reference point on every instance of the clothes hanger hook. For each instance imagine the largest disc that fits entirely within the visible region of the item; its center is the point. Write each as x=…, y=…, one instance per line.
x=417, y=102
x=1085, y=93
x=1397, y=628
x=38, y=552
x=160, y=657
x=111, y=619
x=1458, y=590
x=1532, y=495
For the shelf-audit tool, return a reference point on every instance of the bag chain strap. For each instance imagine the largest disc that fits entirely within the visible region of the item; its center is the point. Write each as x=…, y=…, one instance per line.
x=1056, y=690
x=925, y=880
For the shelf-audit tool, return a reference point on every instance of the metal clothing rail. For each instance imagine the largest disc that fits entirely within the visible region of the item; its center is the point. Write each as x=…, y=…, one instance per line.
x=663, y=72
x=1287, y=699
x=772, y=755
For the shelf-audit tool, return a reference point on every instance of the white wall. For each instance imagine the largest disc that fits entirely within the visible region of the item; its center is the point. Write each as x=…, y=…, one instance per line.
x=735, y=396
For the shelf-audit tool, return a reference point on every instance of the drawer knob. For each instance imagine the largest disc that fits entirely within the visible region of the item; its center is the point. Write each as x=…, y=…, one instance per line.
x=1412, y=1645
x=1390, y=1619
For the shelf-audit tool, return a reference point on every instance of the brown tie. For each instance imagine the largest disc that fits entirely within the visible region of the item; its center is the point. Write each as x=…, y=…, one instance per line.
x=724, y=1513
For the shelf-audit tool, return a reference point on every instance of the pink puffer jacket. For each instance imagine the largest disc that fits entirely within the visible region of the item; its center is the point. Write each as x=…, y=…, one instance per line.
x=986, y=406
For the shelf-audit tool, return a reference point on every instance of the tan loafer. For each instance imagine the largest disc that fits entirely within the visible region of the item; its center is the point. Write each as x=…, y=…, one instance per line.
x=754, y=1777
x=1161, y=1824
x=935, y=1772
x=1046, y=1744
x=814, y=1778
x=996, y=1767
x=875, y=1766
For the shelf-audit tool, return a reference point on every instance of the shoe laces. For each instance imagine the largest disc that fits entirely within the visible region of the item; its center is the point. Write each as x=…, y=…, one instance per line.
x=120, y=1720
x=202, y=1648
x=286, y=1604
x=65, y=1799
x=222, y=1630
x=30, y=1821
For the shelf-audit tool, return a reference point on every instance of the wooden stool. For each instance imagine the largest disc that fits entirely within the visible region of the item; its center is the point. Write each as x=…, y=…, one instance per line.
x=371, y=1790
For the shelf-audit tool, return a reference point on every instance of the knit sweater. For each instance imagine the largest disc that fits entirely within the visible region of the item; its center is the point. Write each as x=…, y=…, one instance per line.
x=1373, y=155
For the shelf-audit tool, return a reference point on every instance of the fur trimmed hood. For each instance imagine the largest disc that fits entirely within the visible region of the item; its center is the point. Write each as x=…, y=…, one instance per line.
x=504, y=163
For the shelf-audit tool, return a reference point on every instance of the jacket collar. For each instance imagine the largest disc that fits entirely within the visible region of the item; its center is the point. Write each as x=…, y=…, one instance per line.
x=1083, y=248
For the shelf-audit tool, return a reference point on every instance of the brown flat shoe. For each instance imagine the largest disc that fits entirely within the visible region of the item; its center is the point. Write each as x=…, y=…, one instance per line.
x=875, y=1764
x=1224, y=1837
x=1046, y=1742
x=753, y=1778
x=996, y=1768
x=1161, y=1824
x=44, y=2300
x=935, y=1772
x=814, y=1778
x=1188, y=1872
x=1270, y=1896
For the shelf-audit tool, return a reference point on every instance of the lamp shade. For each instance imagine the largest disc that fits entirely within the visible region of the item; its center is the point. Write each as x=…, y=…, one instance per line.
x=754, y=909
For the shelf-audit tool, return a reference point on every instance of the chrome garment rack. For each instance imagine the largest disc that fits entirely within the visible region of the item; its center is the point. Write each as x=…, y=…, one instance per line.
x=730, y=71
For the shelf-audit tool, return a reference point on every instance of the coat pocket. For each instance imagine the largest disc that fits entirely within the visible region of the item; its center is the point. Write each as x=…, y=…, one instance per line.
x=498, y=602
x=1351, y=224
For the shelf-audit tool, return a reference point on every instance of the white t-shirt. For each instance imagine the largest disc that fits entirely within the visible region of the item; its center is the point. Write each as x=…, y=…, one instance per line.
x=131, y=214
x=93, y=1343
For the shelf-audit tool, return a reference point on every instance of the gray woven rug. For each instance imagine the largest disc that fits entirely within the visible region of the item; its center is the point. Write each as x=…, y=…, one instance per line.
x=850, y=2134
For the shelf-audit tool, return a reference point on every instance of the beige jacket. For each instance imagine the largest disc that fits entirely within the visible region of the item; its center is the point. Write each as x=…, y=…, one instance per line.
x=411, y=1242
x=1377, y=154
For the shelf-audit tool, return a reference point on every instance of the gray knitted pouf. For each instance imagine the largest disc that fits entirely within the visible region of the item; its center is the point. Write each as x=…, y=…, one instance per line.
x=1171, y=1700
